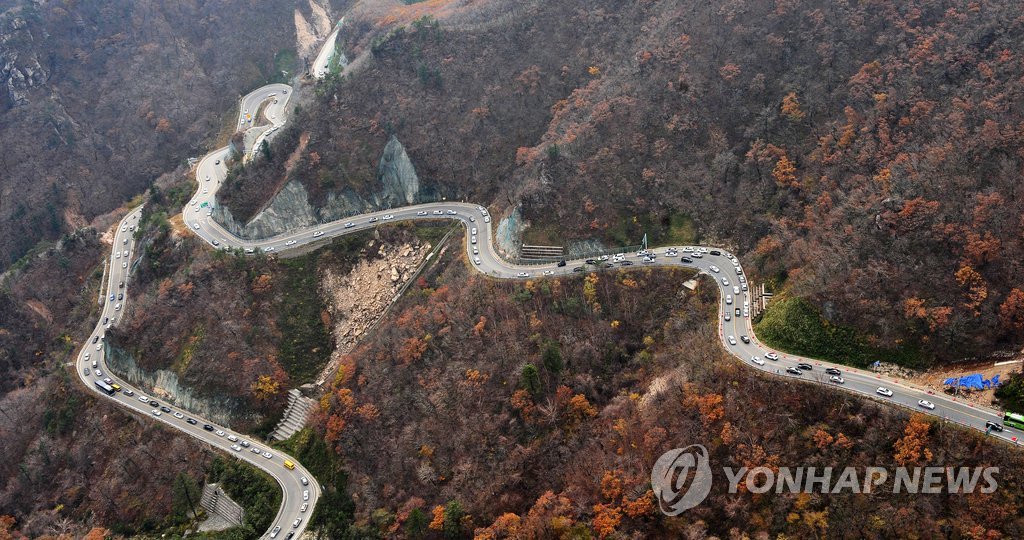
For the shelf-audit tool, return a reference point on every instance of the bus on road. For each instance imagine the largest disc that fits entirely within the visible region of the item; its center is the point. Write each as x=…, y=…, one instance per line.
x=1013, y=420
x=105, y=387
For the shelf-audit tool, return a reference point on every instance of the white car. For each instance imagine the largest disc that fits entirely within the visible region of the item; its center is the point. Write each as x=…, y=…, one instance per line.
x=472, y=240
x=452, y=213
x=143, y=399
x=757, y=360
x=236, y=448
x=268, y=455
x=603, y=258
x=549, y=272
x=523, y=274
x=124, y=228
x=483, y=211
x=836, y=379
x=388, y=216
x=421, y=213
x=472, y=231
x=205, y=191
x=232, y=438
x=438, y=213
x=318, y=234
x=926, y=404
x=771, y=356
x=477, y=260
x=178, y=415
x=290, y=243
x=268, y=249
x=349, y=225
x=220, y=433
x=713, y=268
x=304, y=507
x=305, y=494
x=295, y=524
x=487, y=219
x=195, y=226
x=728, y=317
x=732, y=340
x=273, y=533
x=124, y=265
x=725, y=282
x=883, y=391
x=698, y=255
x=156, y=412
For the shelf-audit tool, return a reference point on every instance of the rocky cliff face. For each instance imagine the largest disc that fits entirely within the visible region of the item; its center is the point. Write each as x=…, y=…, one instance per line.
x=164, y=384
x=19, y=71
x=290, y=208
x=397, y=175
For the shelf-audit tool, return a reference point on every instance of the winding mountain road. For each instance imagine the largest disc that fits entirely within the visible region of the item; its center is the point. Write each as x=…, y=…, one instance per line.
x=300, y=490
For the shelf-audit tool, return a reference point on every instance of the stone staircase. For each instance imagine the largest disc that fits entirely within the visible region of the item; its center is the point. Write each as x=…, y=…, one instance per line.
x=224, y=512
x=294, y=416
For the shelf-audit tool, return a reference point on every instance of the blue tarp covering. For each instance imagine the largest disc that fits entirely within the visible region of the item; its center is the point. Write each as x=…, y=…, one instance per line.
x=974, y=382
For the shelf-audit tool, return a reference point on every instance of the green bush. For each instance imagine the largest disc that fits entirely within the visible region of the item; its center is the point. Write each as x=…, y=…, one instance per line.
x=795, y=326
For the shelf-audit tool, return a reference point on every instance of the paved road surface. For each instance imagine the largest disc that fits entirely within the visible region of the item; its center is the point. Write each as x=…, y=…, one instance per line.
x=321, y=66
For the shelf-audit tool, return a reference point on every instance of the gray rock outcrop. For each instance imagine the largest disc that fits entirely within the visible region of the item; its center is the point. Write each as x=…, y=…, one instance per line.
x=164, y=385
x=290, y=208
x=397, y=175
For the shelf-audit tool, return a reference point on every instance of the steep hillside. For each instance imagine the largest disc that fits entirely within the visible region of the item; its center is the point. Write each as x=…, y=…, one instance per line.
x=97, y=98
x=861, y=155
x=554, y=397
x=70, y=461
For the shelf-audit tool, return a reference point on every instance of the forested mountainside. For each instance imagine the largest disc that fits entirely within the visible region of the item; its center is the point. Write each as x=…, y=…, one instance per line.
x=862, y=155
x=98, y=98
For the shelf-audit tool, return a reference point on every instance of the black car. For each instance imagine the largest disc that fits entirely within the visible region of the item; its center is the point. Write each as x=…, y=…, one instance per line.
x=994, y=426
x=803, y=365
x=120, y=296
x=95, y=339
x=608, y=265
x=744, y=339
x=289, y=535
x=121, y=285
x=794, y=371
x=591, y=261
x=714, y=252
x=165, y=409
x=154, y=403
x=561, y=264
x=105, y=319
x=207, y=427
x=191, y=421
x=627, y=263
x=833, y=371
x=686, y=260
x=578, y=269
x=737, y=312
